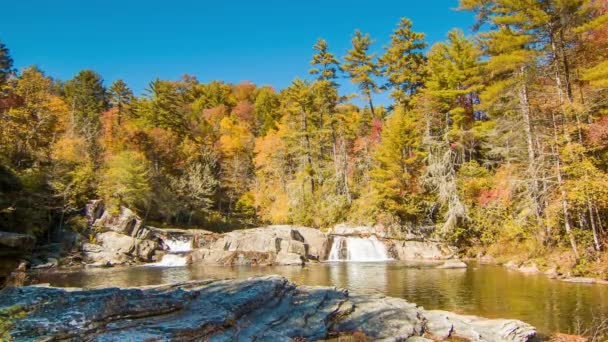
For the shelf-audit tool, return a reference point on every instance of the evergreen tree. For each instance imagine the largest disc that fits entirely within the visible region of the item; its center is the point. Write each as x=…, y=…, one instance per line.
x=362, y=68
x=404, y=63
x=120, y=97
x=6, y=64
x=87, y=98
x=325, y=65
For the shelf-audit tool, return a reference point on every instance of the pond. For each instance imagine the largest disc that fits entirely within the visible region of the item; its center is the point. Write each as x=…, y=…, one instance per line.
x=488, y=291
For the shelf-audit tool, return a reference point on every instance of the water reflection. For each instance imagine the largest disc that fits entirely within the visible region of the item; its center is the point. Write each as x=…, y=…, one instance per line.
x=488, y=291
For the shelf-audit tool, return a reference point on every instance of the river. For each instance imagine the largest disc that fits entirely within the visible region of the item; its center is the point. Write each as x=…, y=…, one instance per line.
x=489, y=291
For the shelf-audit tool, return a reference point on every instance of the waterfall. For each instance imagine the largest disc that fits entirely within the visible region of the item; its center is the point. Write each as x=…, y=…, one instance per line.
x=172, y=260
x=179, y=248
x=178, y=244
x=357, y=249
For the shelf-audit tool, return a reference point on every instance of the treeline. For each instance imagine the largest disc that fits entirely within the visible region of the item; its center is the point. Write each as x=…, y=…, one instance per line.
x=496, y=139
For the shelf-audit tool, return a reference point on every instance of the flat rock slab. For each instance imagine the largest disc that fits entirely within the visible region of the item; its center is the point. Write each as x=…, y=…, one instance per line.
x=262, y=308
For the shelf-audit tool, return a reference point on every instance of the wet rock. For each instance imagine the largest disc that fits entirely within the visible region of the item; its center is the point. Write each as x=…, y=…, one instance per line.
x=453, y=263
x=264, y=308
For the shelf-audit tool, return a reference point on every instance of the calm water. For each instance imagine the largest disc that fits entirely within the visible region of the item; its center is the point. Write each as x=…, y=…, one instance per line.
x=489, y=291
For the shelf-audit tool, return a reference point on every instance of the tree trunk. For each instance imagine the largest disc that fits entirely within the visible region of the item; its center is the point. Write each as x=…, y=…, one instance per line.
x=524, y=106
x=308, y=149
x=563, y=193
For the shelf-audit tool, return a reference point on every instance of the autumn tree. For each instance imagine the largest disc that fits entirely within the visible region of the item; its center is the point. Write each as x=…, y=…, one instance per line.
x=361, y=67
x=124, y=180
x=404, y=63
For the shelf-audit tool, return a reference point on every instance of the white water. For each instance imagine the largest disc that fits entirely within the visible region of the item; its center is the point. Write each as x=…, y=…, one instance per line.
x=179, y=248
x=358, y=249
x=171, y=260
x=179, y=244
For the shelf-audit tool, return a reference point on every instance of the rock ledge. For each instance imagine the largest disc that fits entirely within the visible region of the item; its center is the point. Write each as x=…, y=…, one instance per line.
x=265, y=308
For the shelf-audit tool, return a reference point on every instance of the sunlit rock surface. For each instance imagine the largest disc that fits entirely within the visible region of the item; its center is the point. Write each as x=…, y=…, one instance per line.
x=264, y=308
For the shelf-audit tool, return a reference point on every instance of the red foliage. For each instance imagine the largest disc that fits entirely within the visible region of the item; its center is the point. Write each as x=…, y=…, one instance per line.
x=244, y=112
x=376, y=130
x=487, y=197
x=214, y=115
x=243, y=91
x=10, y=101
x=598, y=133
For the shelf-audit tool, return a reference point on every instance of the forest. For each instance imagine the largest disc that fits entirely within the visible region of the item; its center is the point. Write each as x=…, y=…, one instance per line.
x=496, y=142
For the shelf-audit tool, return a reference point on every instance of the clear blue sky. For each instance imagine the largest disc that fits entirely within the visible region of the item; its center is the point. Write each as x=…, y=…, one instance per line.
x=266, y=42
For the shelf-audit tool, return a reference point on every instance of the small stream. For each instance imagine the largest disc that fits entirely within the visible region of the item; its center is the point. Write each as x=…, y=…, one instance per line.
x=489, y=291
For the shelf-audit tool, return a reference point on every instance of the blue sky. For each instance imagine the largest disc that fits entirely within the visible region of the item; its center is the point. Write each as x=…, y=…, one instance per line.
x=266, y=42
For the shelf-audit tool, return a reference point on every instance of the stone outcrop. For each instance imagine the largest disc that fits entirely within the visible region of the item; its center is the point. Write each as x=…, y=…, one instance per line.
x=419, y=250
x=119, y=238
x=15, y=244
x=279, y=245
x=265, y=308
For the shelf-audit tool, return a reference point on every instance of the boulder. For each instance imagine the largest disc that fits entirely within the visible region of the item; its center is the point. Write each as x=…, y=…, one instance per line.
x=288, y=241
x=289, y=259
x=453, y=263
x=206, y=256
x=419, y=250
x=262, y=308
x=529, y=268
x=115, y=249
x=15, y=244
x=124, y=222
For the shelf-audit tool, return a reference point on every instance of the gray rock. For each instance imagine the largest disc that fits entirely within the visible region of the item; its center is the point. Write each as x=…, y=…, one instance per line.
x=284, y=245
x=443, y=325
x=264, y=308
x=14, y=244
x=419, y=250
x=289, y=259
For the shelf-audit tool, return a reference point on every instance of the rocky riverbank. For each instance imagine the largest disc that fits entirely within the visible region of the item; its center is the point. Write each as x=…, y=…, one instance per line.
x=121, y=238
x=264, y=308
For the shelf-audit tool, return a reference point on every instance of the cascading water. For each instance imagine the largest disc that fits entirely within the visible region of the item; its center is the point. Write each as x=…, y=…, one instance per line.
x=357, y=249
x=179, y=248
x=172, y=260
x=178, y=244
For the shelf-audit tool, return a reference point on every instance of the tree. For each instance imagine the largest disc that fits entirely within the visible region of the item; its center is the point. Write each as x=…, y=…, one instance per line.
x=87, y=98
x=325, y=65
x=404, y=63
x=120, y=97
x=454, y=79
x=6, y=65
x=124, y=180
x=196, y=188
x=362, y=68
x=30, y=127
x=511, y=45
x=399, y=159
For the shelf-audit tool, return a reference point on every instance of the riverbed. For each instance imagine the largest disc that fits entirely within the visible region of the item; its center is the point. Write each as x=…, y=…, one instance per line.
x=489, y=291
